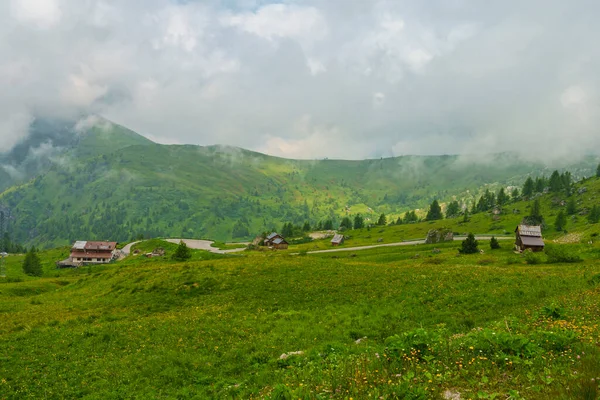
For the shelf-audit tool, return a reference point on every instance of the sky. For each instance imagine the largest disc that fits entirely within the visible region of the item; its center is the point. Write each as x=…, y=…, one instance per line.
x=311, y=79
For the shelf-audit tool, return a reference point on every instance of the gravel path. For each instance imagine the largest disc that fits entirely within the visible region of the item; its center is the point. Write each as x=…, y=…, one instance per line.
x=407, y=243
x=191, y=243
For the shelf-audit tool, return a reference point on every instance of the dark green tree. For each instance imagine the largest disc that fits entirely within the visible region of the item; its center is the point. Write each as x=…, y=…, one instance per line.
x=31, y=264
x=328, y=225
x=182, y=252
x=306, y=227
x=502, y=197
x=410, y=217
x=382, y=220
x=240, y=229
x=494, y=244
x=528, y=187
x=453, y=209
x=594, y=215
x=571, y=206
x=535, y=217
x=287, y=229
x=540, y=184
x=346, y=223
x=561, y=221
x=555, y=182
x=598, y=171
x=359, y=221
x=514, y=195
x=469, y=245
x=435, y=211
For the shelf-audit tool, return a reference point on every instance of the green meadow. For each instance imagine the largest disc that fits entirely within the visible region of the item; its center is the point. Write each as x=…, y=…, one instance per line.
x=415, y=322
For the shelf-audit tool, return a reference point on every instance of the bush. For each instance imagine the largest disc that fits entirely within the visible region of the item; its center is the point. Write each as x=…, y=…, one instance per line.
x=32, y=265
x=532, y=258
x=558, y=254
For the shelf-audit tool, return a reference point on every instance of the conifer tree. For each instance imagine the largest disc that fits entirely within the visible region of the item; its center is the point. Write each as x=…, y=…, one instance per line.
x=346, y=223
x=571, y=206
x=561, y=221
x=528, y=187
x=514, y=195
x=494, y=244
x=435, y=211
x=502, y=197
x=598, y=171
x=359, y=222
x=382, y=220
x=453, y=209
x=182, y=252
x=469, y=245
x=594, y=215
x=32, y=265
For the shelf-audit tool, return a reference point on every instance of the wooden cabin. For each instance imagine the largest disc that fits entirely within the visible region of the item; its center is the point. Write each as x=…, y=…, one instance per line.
x=271, y=238
x=279, y=243
x=529, y=237
x=337, y=240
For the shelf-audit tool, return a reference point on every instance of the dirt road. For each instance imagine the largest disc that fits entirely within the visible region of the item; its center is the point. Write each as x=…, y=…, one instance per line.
x=191, y=243
x=407, y=243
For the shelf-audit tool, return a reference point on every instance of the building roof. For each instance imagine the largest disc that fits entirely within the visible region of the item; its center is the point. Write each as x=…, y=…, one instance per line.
x=532, y=241
x=337, y=238
x=79, y=245
x=279, y=241
x=530, y=230
x=101, y=246
x=272, y=235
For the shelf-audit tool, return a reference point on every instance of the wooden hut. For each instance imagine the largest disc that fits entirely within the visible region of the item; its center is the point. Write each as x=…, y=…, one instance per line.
x=529, y=237
x=279, y=243
x=337, y=240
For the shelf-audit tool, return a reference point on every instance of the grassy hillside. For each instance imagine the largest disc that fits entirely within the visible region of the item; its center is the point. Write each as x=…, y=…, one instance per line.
x=117, y=185
x=378, y=324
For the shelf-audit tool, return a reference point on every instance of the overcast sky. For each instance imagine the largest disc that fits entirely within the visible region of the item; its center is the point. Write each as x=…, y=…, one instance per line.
x=311, y=79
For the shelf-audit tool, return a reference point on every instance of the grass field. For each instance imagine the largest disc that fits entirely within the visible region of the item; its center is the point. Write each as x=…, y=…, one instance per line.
x=406, y=322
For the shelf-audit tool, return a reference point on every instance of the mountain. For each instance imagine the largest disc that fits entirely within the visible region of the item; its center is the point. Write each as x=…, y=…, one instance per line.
x=111, y=183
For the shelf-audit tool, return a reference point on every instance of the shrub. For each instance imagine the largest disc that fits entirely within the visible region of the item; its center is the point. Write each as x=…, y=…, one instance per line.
x=558, y=254
x=532, y=258
x=32, y=265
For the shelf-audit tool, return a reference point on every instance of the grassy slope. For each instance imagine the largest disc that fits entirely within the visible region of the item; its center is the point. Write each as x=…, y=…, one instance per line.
x=579, y=230
x=152, y=328
x=116, y=184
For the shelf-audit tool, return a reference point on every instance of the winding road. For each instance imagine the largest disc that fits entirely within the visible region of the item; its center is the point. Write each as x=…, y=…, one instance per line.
x=191, y=243
x=407, y=243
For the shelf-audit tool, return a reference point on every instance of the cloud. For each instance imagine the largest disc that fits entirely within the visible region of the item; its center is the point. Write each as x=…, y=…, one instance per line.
x=311, y=79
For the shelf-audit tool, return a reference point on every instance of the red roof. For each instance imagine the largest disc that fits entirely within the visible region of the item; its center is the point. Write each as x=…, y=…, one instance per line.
x=106, y=246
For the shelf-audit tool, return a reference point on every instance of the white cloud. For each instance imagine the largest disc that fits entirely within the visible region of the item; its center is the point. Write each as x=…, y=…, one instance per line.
x=377, y=78
x=41, y=14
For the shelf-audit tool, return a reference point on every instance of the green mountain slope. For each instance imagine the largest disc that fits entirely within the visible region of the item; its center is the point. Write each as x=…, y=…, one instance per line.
x=115, y=184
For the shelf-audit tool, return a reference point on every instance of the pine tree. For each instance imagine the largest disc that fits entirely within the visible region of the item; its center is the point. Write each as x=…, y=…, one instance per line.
x=469, y=245
x=502, y=197
x=453, y=209
x=594, y=215
x=514, y=195
x=556, y=183
x=306, y=227
x=494, y=244
x=561, y=221
x=382, y=220
x=359, y=222
x=182, y=252
x=32, y=265
x=598, y=171
x=528, y=187
x=571, y=206
x=535, y=217
x=346, y=223
x=435, y=211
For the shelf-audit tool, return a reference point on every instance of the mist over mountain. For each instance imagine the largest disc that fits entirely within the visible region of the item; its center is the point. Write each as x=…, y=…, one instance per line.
x=97, y=180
